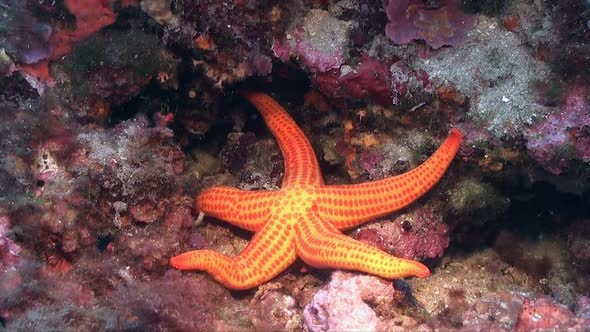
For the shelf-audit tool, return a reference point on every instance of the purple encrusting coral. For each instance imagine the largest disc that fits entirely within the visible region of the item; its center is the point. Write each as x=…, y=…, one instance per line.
x=442, y=25
x=563, y=136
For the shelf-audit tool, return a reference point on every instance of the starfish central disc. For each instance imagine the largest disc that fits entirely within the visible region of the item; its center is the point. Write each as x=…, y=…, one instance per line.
x=305, y=218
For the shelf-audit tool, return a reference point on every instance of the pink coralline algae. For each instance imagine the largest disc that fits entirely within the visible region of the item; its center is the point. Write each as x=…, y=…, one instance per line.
x=342, y=304
x=128, y=180
x=385, y=84
x=417, y=234
x=510, y=311
x=318, y=42
x=563, y=136
x=583, y=308
x=370, y=161
x=493, y=312
x=545, y=314
x=273, y=310
x=9, y=251
x=412, y=19
x=10, y=276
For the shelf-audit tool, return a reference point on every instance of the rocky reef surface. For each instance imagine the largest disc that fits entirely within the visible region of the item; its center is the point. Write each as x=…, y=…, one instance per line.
x=114, y=114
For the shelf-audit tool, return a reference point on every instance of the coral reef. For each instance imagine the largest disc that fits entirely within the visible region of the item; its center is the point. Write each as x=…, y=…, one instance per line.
x=114, y=114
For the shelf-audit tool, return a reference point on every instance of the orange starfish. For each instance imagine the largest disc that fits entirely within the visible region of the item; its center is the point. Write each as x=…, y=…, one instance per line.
x=305, y=217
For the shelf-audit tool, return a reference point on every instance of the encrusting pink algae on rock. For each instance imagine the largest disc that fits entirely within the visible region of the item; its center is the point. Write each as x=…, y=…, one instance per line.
x=343, y=304
x=442, y=25
x=562, y=137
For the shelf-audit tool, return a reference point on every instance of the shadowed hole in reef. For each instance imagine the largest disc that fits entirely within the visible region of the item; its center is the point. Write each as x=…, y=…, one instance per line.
x=545, y=210
x=534, y=213
x=103, y=241
x=540, y=209
x=156, y=98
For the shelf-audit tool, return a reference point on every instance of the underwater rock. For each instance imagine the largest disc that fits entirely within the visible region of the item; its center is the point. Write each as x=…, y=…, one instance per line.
x=563, y=136
x=497, y=311
x=258, y=164
x=9, y=254
x=318, y=41
x=578, y=235
x=544, y=313
x=385, y=84
x=272, y=309
x=173, y=302
x=496, y=76
x=159, y=10
x=90, y=17
x=444, y=24
x=477, y=202
x=342, y=305
x=113, y=66
x=419, y=233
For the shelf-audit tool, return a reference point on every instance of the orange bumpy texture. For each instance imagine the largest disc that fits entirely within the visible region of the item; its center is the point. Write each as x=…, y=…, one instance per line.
x=305, y=217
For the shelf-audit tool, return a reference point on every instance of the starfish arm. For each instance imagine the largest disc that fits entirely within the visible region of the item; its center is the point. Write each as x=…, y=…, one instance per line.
x=347, y=206
x=270, y=251
x=301, y=166
x=248, y=210
x=321, y=245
